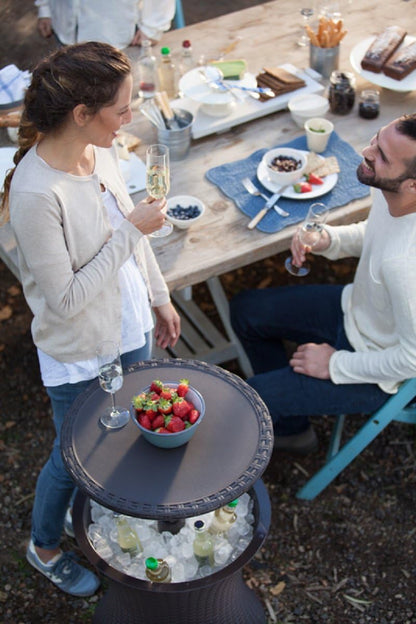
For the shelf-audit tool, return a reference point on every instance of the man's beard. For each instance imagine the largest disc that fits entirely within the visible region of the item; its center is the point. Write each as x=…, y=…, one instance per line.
x=385, y=184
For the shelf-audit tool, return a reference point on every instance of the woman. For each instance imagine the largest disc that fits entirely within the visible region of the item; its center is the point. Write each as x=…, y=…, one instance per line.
x=86, y=266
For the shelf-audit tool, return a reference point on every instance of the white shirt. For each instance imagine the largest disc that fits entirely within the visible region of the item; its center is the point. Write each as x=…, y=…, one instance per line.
x=380, y=305
x=136, y=317
x=108, y=21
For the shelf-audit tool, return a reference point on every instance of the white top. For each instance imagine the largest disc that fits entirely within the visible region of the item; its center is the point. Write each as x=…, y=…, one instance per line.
x=108, y=21
x=136, y=317
x=380, y=305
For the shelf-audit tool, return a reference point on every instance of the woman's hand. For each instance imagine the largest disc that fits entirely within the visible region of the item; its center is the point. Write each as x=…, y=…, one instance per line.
x=168, y=325
x=299, y=250
x=147, y=216
x=312, y=359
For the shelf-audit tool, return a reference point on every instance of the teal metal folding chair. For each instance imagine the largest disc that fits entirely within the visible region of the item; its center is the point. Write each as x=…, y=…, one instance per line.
x=179, y=20
x=401, y=407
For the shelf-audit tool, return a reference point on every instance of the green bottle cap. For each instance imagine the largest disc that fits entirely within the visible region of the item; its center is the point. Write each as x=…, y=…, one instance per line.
x=165, y=51
x=152, y=563
x=233, y=503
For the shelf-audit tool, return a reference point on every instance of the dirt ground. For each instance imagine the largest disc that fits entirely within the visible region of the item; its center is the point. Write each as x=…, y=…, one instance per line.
x=348, y=557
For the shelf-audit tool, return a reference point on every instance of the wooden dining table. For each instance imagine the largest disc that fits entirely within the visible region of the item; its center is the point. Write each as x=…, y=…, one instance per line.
x=263, y=35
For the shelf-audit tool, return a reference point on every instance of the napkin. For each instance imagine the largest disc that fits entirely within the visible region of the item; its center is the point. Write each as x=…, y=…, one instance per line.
x=228, y=178
x=13, y=84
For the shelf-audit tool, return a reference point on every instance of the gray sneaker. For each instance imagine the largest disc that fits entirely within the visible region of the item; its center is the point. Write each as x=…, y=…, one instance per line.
x=299, y=444
x=65, y=573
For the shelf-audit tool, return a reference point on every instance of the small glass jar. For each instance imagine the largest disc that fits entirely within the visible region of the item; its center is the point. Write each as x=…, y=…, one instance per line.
x=369, y=104
x=341, y=94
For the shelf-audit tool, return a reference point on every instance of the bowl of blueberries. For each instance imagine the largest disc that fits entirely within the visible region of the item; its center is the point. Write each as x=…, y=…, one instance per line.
x=184, y=210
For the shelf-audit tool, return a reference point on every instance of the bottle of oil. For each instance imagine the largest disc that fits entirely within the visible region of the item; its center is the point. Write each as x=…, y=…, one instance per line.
x=167, y=74
x=158, y=570
x=223, y=518
x=127, y=537
x=203, y=544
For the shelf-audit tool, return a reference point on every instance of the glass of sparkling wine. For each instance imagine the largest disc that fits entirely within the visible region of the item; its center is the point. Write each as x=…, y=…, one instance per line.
x=158, y=179
x=110, y=375
x=309, y=234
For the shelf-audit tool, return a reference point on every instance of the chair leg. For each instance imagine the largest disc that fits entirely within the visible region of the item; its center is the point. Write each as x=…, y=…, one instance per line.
x=393, y=409
x=179, y=20
x=335, y=441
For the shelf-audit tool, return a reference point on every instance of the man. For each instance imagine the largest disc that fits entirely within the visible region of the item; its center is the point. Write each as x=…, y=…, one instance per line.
x=123, y=23
x=355, y=343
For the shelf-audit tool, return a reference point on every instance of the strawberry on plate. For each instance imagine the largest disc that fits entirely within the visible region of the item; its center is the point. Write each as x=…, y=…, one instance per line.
x=313, y=179
x=302, y=187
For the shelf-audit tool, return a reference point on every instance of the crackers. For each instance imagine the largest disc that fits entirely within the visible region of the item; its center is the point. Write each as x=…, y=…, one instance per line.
x=279, y=81
x=321, y=167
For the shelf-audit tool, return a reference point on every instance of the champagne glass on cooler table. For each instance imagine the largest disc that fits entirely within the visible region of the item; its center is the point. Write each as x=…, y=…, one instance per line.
x=110, y=375
x=158, y=179
x=309, y=234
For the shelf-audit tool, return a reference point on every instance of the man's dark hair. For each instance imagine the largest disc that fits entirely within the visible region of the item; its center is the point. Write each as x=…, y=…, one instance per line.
x=407, y=126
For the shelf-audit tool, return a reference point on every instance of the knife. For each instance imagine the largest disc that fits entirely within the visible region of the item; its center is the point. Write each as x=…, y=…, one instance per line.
x=267, y=206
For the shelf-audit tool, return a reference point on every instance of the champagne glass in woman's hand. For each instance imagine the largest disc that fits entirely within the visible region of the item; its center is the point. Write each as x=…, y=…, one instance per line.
x=110, y=375
x=158, y=179
x=309, y=234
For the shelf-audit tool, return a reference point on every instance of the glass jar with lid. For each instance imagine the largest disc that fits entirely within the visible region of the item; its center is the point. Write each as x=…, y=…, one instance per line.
x=341, y=94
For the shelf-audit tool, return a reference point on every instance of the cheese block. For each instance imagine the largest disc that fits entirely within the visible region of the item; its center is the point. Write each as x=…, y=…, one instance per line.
x=231, y=70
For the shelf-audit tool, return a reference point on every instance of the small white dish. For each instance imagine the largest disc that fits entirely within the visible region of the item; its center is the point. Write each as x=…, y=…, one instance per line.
x=282, y=178
x=307, y=105
x=317, y=190
x=184, y=201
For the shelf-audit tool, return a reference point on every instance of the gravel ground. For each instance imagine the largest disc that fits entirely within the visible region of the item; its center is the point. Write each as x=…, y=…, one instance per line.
x=346, y=557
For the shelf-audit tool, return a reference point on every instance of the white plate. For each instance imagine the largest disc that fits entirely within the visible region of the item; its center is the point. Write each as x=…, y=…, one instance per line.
x=6, y=162
x=290, y=193
x=193, y=86
x=357, y=53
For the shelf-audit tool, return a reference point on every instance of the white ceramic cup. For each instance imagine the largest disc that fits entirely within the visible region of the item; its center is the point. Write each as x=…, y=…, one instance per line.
x=318, y=131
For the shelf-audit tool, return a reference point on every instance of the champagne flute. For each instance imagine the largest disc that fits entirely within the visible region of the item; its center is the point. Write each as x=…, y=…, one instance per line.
x=307, y=14
x=110, y=375
x=158, y=179
x=309, y=234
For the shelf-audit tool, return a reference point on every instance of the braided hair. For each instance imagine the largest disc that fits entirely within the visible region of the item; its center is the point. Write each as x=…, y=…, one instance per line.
x=84, y=73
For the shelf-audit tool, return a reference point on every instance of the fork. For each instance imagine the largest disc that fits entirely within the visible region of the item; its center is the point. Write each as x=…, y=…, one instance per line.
x=253, y=190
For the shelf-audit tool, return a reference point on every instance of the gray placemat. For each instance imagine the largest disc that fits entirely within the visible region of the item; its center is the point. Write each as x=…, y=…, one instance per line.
x=228, y=178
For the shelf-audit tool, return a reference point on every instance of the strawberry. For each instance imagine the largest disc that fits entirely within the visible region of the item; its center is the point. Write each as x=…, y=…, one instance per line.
x=175, y=424
x=156, y=386
x=144, y=420
x=181, y=407
x=158, y=421
x=138, y=402
x=313, y=179
x=183, y=387
x=165, y=407
x=167, y=394
x=193, y=416
x=154, y=396
x=302, y=187
x=162, y=430
x=150, y=409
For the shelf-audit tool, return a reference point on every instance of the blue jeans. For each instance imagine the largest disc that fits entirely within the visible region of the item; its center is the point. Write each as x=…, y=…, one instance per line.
x=54, y=486
x=263, y=319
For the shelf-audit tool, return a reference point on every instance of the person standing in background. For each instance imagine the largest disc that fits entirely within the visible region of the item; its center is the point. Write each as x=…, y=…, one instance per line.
x=123, y=23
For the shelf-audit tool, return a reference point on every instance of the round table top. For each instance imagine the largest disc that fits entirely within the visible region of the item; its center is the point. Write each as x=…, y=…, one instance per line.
x=121, y=470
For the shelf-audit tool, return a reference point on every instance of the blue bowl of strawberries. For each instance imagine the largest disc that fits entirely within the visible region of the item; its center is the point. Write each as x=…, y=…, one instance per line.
x=168, y=413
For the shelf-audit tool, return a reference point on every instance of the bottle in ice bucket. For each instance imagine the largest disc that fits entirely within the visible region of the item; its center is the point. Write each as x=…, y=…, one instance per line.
x=223, y=518
x=158, y=570
x=147, y=70
x=127, y=538
x=167, y=74
x=203, y=544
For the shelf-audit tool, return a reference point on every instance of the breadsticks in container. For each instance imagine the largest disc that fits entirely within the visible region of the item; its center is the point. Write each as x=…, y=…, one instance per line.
x=329, y=33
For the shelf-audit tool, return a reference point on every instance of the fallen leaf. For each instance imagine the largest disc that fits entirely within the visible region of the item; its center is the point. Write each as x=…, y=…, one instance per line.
x=277, y=589
x=5, y=313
